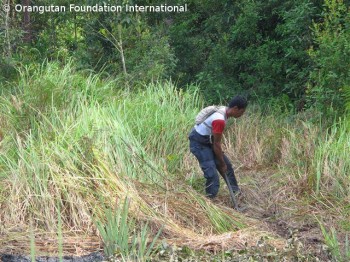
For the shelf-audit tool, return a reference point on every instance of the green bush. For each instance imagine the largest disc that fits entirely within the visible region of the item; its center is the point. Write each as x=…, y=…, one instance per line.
x=331, y=58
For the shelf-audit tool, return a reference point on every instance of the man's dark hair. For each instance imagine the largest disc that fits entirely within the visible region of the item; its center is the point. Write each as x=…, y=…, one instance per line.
x=238, y=101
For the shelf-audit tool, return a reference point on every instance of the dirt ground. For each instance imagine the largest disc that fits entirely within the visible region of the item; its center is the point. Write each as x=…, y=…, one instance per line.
x=280, y=212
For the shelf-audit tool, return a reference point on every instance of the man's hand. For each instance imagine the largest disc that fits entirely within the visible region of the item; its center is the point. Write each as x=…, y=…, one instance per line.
x=223, y=169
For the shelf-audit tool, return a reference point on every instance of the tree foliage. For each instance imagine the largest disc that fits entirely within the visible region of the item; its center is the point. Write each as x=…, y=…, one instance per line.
x=255, y=47
x=291, y=54
x=331, y=57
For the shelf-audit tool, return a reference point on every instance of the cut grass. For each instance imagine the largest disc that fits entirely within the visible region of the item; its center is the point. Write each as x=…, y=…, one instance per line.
x=88, y=149
x=83, y=144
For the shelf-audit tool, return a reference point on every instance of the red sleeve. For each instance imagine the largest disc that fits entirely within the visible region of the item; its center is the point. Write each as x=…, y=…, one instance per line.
x=218, y=126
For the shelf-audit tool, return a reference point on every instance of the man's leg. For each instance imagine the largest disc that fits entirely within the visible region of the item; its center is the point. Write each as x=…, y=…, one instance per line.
x=206, y=159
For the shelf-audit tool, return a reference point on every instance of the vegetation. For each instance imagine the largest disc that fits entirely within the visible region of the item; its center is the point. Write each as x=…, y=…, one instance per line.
x=116, y=232
x=95, y=110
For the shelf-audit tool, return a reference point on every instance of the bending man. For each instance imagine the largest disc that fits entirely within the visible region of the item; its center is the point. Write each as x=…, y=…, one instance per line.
x=205, y=144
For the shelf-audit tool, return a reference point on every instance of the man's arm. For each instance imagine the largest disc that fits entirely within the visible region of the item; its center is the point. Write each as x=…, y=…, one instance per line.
x=218, y=153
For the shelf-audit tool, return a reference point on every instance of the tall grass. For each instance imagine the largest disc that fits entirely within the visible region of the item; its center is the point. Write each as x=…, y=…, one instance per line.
x=83, y=143
x=312, y=156
x=331, y=162
x=76, y=141
x=169, y=112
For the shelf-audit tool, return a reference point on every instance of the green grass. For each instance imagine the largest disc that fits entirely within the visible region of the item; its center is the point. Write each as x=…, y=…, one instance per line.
x=122, y=239
x=83, y=142
x=331, y=160
x=339, y=253
x=78, y=142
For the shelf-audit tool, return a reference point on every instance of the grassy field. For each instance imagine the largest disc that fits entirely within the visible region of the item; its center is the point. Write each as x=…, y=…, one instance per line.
x=80, y=155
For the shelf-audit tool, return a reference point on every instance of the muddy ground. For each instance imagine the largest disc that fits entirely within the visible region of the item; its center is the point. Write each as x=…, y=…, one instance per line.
x=93, y=257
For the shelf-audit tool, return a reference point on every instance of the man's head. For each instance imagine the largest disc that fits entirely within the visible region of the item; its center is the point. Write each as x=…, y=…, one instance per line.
x=237, y=106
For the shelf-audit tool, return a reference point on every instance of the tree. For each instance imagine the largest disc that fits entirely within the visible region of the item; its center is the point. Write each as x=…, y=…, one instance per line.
x=254, y=47
x=26, y=22
x=330, y=54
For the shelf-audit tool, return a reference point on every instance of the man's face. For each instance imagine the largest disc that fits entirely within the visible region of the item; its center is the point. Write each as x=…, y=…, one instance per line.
x=236, y=112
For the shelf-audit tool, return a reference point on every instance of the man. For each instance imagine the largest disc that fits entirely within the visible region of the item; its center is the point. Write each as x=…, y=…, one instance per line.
x=205, y=144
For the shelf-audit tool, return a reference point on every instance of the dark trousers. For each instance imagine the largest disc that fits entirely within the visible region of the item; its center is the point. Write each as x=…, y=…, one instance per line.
x=202, y=149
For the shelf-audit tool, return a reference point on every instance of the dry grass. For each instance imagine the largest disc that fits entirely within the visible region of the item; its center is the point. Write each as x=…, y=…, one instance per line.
x=77, y=159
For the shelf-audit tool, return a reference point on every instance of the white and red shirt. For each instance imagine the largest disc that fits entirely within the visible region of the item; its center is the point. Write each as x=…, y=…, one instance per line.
x=215, y=124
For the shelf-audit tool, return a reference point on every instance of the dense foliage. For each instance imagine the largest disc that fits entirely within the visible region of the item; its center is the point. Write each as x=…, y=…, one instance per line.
x=294, y=54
